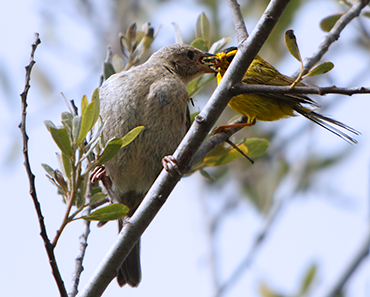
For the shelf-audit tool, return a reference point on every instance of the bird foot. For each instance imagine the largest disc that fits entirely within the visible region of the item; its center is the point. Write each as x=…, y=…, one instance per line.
x=98, y=174
x=227, y=128
x=170, y=165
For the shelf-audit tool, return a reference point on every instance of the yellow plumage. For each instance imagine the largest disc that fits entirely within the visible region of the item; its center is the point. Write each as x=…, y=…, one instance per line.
x=272, y=107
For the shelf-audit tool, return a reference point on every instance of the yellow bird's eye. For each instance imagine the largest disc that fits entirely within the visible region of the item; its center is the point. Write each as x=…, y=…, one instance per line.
x=230, y=58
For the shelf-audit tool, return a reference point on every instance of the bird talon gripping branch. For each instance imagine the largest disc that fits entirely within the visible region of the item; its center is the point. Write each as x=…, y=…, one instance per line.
x=170, y=165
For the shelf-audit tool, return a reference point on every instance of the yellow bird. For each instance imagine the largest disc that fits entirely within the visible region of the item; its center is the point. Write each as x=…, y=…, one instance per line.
x=272, y=107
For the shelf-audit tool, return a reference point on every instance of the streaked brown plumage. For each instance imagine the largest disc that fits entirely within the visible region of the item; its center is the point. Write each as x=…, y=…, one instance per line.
x=154, y=95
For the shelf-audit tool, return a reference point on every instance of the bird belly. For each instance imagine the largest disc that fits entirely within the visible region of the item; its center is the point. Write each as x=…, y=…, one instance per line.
x=260, y=108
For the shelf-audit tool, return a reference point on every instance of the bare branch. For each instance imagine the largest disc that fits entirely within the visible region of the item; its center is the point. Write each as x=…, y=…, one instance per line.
x=339, y=283
x=334, y=33
x=255, y=246
x=241, y=30
x=48, y=246
x=164, y=184
x=266, y=89
x=83, y=245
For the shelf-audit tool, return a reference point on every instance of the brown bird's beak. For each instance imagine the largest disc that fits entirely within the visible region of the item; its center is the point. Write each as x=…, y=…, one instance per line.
x=208, y=62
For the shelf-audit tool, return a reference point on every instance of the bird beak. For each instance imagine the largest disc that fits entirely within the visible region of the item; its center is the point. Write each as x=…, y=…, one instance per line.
x=207, y=62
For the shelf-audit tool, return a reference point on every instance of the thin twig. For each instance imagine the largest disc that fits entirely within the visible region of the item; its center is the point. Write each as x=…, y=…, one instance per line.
x=334, y=34
x=336, y=287
x=83, y=245
x=240, y=28
x=48, y=246
x=255, y=247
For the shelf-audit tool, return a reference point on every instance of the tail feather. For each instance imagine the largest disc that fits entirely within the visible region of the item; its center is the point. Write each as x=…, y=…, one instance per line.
x=329, y=124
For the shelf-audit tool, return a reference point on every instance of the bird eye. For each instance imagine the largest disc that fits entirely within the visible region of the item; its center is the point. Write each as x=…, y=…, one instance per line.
x=190, y=55
x=229, y=59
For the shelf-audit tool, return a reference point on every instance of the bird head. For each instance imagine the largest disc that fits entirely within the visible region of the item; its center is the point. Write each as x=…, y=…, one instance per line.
x=182, y=60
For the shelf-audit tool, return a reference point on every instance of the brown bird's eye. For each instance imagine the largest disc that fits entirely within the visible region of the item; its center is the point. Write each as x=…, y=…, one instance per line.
x=190, y=55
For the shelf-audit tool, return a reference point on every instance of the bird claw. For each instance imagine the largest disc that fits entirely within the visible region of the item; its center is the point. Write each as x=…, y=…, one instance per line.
x=98, y=174
x=170, y=165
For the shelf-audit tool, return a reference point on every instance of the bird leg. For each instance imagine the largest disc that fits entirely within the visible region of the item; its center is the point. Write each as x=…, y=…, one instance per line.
x=170, y=165
x=227, y=127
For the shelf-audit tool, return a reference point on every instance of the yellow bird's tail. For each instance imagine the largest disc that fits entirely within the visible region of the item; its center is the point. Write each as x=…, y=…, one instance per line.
x=328, y=124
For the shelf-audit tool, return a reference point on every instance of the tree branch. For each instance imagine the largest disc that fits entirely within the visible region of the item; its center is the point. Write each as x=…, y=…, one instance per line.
x=266, y=89
x=241, y=29
x=48, y=246
x=333, y=35
x=83, y=245
x=334, y=288
x=164, y=184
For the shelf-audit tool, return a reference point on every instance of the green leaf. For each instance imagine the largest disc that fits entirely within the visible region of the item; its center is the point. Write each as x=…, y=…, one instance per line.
x=203, y=29
x=76, y=126
x=97, y=197
x=86, y=122
x=48, y=169
x=200, y=44
x=67, y=165
x=178, y=37
x=265, y=291
x=366, y=14
x=67, y=119
x=328, y=23
x=84, y=104
x=117, y=63
x=206, y=175
x=108, y=70
x=291, y=43
x=130, y=136
x=253, y=148
x=60, y=137
x=111, y=149
x=95, y=98
x=307, y=281
x=218, y=45
x=321, y=69
x=108, y=213
x=197, y=84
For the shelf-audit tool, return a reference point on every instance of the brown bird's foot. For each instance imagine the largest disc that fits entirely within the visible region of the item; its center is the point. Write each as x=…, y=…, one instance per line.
x=228, y=127
x=99, y=174
x=170, y=165
x=239, y=150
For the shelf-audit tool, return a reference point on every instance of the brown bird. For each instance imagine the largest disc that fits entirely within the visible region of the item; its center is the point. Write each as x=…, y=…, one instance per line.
x=154, y=95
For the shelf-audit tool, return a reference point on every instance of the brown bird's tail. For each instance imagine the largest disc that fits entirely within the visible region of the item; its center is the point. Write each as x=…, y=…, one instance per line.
x=328, y=124
x=130, y=270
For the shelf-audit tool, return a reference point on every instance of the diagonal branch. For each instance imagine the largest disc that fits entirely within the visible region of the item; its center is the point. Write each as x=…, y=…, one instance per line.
x=164, y=184
x=48, y=246
x=334, y=34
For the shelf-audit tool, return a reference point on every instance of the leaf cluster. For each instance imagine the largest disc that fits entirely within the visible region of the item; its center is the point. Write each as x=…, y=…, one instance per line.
x=80, y=154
